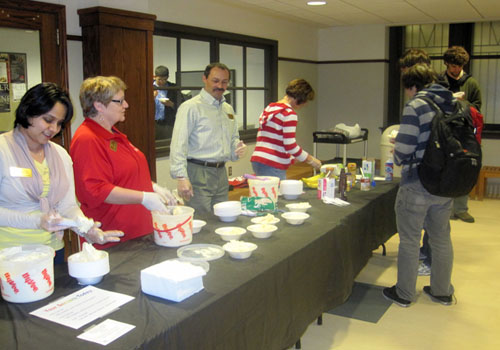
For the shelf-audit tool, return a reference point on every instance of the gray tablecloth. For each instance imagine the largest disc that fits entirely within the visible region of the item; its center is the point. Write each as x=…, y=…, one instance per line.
x=264, y=302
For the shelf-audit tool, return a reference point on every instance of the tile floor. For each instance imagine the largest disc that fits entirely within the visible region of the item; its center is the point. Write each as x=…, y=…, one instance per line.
x=473, y=323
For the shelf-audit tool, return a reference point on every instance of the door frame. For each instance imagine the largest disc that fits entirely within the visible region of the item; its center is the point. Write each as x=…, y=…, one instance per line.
x=50, y=21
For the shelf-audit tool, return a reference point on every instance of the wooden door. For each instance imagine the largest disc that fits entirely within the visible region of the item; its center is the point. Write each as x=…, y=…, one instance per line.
x=120, y=43
x=50, y=21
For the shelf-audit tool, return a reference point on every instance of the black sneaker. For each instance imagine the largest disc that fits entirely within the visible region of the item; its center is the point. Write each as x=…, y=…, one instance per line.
x=391, y=295
x=465, y=217
x=445, y=299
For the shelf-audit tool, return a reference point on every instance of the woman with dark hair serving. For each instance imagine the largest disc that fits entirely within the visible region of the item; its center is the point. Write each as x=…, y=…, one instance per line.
x=37, y=191
x=276, y=146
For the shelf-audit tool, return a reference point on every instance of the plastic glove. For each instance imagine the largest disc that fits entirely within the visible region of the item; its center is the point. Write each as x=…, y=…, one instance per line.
x=314, y=162
x=51, y=222
x=153, y=201
x=166, y=195
x=241, y=149
x=96, y=235
x=184, y=189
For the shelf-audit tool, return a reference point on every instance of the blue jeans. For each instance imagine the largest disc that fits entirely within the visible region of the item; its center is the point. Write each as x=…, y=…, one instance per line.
x=266, y=170
x=59, y=257
x=426, y=250
x=415, y=209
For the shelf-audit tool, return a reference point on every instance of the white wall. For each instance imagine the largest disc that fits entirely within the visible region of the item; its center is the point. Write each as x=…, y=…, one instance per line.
x=353, y=92
x=353, y=43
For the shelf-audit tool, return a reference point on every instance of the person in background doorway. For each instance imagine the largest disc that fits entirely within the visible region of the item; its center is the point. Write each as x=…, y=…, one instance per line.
x=465, y=87
x=415, y=207
x=113, y=183
x=413, y=56
x=166, y=103
x=276, y=146
x=37, y=189
x=205, y=137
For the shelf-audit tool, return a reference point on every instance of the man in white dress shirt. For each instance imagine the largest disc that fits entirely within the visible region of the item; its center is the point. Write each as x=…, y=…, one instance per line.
x=205, y=137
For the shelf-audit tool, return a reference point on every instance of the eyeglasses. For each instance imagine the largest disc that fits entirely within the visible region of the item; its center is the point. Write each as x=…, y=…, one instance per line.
x=120, y=101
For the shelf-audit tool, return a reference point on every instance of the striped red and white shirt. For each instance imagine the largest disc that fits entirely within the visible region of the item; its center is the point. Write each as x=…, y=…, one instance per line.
x=276, y=145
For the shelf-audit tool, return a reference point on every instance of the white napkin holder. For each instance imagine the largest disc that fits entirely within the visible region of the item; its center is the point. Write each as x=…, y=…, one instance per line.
x=172, y=280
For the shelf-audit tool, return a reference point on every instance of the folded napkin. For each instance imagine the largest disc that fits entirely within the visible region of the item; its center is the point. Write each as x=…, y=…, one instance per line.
x=335, y=201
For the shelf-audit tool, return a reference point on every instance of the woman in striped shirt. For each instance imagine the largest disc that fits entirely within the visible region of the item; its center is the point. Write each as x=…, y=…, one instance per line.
x=276, y=147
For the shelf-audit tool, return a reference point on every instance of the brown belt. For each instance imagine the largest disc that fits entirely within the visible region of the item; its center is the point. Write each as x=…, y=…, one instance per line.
x=205, y=163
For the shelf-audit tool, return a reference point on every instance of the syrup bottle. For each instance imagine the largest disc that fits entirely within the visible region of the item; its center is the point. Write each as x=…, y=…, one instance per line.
x=342, y=184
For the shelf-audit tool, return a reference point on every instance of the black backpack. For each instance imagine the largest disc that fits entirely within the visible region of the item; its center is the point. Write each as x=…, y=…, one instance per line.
x=452, y=159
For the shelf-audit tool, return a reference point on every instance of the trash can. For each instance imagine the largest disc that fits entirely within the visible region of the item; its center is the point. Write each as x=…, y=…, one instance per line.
x=385, y=150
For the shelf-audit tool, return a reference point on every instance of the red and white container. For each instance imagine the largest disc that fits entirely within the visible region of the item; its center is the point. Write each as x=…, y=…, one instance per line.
x=264, y=186
x=173, y=230
x=27, y=273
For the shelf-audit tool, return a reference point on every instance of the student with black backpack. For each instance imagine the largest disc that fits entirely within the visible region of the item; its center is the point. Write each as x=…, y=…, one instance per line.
x=415, y=207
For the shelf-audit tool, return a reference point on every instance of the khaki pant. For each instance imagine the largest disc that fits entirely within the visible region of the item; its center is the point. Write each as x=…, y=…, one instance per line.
x=210, y=186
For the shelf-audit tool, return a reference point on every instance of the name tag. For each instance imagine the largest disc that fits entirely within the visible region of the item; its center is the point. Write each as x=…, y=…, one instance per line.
x=20, y=172
x=113, y=145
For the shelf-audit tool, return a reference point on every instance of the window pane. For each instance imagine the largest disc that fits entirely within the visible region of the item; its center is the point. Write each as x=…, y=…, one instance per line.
x=255, y=67
x=195, y=56
x=165, y=54
x=433, y=38
x=238, y=107
x=487, y=70
x=255, y=106
x=232, y=57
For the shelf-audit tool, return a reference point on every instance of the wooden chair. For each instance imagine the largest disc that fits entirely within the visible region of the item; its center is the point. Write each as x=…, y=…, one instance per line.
x=485, y=173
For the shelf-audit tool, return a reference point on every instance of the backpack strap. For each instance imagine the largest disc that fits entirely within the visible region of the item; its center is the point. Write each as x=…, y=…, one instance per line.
x=464, y=106
x=435, y=107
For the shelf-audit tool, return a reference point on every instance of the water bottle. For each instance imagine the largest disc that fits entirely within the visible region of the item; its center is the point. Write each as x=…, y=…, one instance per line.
x=389, y=170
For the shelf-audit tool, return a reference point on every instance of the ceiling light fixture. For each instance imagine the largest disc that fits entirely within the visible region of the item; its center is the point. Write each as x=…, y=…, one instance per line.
x=316, y=3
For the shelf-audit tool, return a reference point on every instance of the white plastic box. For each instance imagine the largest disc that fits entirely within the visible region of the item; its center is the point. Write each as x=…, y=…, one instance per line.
x=173, y=280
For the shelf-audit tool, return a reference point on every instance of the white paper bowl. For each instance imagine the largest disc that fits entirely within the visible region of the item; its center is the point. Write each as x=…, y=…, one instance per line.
x=291, y=196
x=298, y=207
x=88, y=272
x=291, y=187
x=89, y=281
x=262, y=230
x=228, y=211
x=240, y=250
x=230, y=233
x=294, y=217
x=228, y=208
x=198, y=225
x=228, y=218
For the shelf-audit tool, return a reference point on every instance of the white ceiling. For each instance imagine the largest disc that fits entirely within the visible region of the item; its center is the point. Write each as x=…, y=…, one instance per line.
x=388, y=12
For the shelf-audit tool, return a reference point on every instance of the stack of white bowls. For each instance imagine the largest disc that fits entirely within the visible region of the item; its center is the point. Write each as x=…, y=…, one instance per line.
x=291, y=189
x=228, y=211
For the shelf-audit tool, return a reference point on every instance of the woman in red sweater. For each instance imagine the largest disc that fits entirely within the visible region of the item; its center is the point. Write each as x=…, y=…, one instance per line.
x=276, y=147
